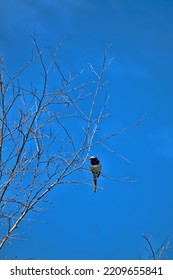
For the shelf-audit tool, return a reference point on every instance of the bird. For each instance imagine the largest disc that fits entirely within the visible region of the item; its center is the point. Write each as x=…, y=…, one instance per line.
x=95, y=167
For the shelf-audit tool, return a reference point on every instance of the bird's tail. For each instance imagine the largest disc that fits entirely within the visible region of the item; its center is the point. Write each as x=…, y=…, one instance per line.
x=95, y=185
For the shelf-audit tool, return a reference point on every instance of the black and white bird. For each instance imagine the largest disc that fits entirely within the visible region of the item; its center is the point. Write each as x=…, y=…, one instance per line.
x=95, y=167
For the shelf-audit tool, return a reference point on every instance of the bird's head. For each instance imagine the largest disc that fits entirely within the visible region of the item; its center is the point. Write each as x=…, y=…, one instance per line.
x=94, y=160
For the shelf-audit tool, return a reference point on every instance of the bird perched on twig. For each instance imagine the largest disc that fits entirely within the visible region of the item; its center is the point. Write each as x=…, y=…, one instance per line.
x=95, y=167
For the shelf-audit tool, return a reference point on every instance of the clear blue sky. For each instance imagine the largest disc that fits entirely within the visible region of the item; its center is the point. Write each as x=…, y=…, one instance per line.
x=107, y=225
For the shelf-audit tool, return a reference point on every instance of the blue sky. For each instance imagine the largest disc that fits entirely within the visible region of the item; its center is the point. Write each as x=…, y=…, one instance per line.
x=79, y=224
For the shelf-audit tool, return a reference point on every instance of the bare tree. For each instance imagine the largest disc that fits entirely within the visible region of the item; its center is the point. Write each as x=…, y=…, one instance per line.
x=39, y=147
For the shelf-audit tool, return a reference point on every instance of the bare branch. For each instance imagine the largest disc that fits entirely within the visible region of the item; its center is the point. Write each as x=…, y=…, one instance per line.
x=156, y=254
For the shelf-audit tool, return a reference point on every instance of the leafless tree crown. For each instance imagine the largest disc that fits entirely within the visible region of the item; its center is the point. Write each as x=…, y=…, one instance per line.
x=49, y=119
x=47, y=130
